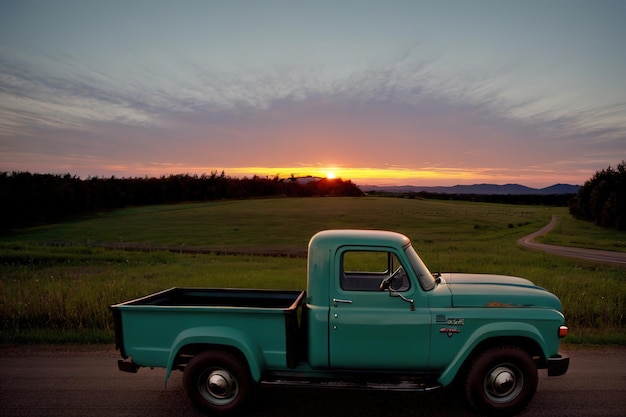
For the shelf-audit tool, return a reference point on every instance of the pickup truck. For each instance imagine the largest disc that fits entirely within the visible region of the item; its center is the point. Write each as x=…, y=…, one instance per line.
x=373, y=317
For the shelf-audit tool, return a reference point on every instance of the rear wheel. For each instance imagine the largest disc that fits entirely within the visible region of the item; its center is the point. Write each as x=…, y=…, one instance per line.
x=501, y=381
x=218, y=382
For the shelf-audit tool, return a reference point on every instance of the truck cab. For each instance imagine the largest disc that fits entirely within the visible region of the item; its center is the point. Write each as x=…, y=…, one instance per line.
x=368, y=285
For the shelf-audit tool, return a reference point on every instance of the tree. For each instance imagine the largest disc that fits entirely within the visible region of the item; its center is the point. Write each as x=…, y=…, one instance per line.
x=602, y=199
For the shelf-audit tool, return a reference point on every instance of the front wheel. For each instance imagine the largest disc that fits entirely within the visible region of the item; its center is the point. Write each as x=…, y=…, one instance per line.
x=501, y=381
x=218, y=382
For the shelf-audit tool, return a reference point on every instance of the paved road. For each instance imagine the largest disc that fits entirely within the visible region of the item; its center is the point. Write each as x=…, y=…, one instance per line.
x=594, y=255
x=77, y=382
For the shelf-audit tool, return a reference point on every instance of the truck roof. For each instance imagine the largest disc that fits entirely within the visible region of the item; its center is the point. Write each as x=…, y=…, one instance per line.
x=354, y=237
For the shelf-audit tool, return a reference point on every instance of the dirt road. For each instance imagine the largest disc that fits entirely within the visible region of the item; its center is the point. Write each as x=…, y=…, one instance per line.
x=594, y=255
x=67, y=382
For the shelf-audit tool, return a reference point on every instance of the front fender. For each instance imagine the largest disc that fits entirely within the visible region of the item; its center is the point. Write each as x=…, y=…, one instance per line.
x=223, y=336
x=491, y=331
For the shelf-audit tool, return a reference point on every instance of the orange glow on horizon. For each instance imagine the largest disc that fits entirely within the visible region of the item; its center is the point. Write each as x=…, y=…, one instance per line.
x=362, y=175
x=386, y=175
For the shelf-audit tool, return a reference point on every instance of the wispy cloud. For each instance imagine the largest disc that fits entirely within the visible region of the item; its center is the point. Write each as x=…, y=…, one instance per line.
x=70, y=94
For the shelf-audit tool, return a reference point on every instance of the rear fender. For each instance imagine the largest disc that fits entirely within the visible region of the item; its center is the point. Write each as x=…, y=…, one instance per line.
x=221, y=336
x=486, y=332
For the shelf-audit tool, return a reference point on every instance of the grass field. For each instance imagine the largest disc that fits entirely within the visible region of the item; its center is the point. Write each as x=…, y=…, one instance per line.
x=578, y=233
x=56, y=283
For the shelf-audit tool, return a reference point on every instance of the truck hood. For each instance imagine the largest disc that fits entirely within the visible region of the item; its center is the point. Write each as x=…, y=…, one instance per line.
x=481, y=290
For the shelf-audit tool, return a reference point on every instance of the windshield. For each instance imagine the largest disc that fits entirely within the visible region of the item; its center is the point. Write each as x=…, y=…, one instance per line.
x=426, y=279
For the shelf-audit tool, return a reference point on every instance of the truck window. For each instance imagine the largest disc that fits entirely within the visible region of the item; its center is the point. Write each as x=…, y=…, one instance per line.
x=424, y=276
x=365, y=270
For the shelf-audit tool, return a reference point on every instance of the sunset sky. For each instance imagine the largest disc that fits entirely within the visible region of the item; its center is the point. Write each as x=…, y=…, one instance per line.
x=379, y=92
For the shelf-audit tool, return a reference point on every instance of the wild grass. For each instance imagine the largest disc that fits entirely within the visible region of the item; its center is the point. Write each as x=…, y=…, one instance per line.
x=56, y=283
x=66, y=298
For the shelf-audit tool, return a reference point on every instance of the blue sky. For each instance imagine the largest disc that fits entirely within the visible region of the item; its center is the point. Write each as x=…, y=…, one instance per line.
x=394, y=92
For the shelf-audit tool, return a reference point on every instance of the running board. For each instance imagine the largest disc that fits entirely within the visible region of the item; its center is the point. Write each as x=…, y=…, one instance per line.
x=400, y=385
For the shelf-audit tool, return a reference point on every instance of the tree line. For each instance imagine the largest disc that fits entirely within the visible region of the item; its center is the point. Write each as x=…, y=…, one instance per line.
x=32, y=199
x=602, y=199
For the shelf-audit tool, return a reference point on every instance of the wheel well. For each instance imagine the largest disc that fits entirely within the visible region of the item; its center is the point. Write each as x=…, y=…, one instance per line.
x=527, y=344
x=187, y=352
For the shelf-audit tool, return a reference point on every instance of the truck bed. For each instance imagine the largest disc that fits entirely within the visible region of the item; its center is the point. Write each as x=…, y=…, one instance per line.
x=272, y=316
x=215, y=297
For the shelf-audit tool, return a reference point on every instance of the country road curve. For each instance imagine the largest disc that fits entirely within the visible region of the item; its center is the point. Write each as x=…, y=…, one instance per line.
x=593, y=255
x=83, y=381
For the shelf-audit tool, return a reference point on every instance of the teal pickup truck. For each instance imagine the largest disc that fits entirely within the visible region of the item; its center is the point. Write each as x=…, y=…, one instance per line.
x=373, y=317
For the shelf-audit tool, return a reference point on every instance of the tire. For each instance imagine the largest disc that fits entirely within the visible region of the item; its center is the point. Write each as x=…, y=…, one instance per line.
x=218, y=382
x=501, y=381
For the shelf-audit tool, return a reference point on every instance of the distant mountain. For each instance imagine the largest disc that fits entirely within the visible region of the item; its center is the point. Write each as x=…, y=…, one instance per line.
x=560, y=189
x=484, y=189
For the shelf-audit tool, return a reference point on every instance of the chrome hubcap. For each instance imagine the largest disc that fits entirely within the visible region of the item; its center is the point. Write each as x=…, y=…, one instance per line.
x=503, y=383
x=218, y=386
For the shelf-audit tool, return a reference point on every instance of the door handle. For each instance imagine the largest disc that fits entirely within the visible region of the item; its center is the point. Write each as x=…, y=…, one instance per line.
x=338, y=300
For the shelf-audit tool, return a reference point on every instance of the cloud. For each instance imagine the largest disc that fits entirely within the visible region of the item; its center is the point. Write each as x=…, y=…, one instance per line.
x=64, y=92
x=31, y=100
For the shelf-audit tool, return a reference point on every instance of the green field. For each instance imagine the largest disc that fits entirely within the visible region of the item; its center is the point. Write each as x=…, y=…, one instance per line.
x=57, y=281
x=578, y=233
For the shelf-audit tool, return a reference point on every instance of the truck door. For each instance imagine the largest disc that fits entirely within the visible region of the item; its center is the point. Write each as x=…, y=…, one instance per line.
x=370, y=328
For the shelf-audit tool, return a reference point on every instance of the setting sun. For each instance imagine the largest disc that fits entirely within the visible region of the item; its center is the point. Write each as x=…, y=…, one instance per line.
x=360, y=175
